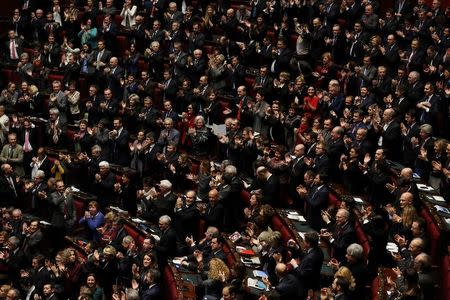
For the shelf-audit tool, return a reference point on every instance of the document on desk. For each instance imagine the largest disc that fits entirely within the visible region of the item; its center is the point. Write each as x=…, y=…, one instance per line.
x=424, y=187
x=255, y=283
x=218, y=130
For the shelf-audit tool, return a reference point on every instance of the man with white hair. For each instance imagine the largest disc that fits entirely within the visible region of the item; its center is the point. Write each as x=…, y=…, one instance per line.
x=103, y=186
x=161, y=201
x=229, y=196
x=167, y=245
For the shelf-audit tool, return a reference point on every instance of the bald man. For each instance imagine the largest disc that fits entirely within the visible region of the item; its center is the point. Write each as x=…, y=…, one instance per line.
x=113, y=75
x=405, y=183
x=213, y=211
x=390, y=135
x=288, y=285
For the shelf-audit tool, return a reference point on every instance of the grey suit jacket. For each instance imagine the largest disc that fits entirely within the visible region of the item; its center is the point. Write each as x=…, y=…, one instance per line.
x=15, y=160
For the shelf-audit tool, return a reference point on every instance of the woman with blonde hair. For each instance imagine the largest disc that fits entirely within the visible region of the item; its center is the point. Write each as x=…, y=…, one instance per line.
x=218, y=274
x=345, y=273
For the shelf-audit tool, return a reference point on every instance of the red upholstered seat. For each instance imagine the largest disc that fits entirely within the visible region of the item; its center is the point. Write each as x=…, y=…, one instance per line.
x=11, y=75
x=362, y=239
x=142, y=65
x=79, y=208
x=118, y=19
x=136, y=235
x=231, y=260
x=123, y=43
x=245, y=197
x=169, y=285
x=444, y=271
x=333, y=200
x=375, y=288
x=52, y=77
x=433, y=232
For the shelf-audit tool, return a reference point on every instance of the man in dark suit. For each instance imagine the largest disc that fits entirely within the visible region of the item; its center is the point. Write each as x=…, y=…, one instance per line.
x=382, y=83
x=281, y=56
x=161, y=202
x=318, y=35
x=119, y=137
x=356, y=41
x=288, y=286
x=196, y=65
x=169, y=86
x=213, y=212
x=137, y=33
x=103, y=185
x=409, y=130
x=336, y=148
x=237, y=73
x=317, y=200
x=63, y=209
x=13, y=48
x=153, y=291
x=340, y=234
x=16, y=260
x=414, y=58
x=178, y=60
x=430, y=107
x=320, y=162
x=185, y=216
x=196, y=38
x=414, y=88
x=156, y=34
x=390, y=54
x=31, y=239
x=167, y=246
x=403, y=9
x=229, y=196
x=113, y=74
x=168, y=134
x=337, y=45
x=390, y=134
x=308, y=271
x=268, y=184
x=108, y=33
x=39, y=273
x=263, y=82
x=9, y=188
x=51, y=53
x=101, y=56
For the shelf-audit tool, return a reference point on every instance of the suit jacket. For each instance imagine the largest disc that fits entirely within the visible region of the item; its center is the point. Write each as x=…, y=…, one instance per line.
x=18, y=42
x=31, y=244
x=167, y=136
x=409, y=155
x=113, y=80
x=185, y=221
x=308, y=272
x=391, y=57
x=104, y=58
x=14, y=157
x=196, y=41
x=63, y=211
x=120, y=150
x=214, y=215
x=281, y=61
x=104, y=189
x=391, y=137
x=7, y=195
x=288, y=287
x=152, y=293
x=167, y=246
x=343, y=237
x=317, y=200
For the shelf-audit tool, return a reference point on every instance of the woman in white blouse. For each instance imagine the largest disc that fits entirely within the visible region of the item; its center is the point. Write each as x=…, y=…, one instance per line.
x=129, y=14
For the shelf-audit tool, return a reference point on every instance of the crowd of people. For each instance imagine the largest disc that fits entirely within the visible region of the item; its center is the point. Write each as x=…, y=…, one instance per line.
x=199, y=101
